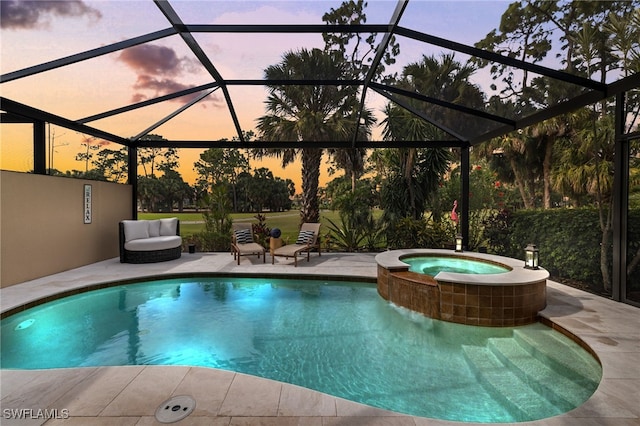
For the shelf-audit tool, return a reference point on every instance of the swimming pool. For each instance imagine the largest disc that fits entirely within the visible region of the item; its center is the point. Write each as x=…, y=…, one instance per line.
x=336, y=337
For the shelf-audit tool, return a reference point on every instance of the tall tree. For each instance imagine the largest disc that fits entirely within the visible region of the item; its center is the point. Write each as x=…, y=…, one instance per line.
x=353, y=48
x=90, y=144
x=149, y=158
x=112, y=164
x=420, y=170
x=357, y=52
x=522, y=34
x=217, y=166
x=597, y=39
x=308, y=113
x=173, y=190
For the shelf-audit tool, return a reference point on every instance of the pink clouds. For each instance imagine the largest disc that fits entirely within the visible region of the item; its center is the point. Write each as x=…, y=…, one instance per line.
x=158, y=68
x=153, y=59
x=160, y=87
x=22, y=14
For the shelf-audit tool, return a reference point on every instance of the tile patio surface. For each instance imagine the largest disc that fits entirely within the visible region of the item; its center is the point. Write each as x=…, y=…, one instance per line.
x=130, y=395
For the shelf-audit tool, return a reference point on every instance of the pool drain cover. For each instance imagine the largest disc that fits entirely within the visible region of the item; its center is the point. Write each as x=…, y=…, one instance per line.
x=175, y=409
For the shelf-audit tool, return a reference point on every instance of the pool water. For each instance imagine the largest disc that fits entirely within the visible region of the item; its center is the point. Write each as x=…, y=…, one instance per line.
x=340, y=338
x=431, y=265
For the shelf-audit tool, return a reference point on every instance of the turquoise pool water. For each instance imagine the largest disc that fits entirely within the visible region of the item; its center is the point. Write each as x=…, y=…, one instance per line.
x=340, y=338
x=431, y=265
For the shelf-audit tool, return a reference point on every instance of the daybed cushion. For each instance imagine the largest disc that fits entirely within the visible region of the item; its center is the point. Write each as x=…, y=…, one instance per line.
x=157, y=243
x=168, y=226
x=135, y=229
x=154, y=228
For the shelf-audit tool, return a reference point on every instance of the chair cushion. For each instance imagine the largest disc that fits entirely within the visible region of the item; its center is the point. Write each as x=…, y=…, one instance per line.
x=243, y=236
x=135, y=229
x=250, y=248
x=305, y=237
x=154, y=228
x=289, y=250
x=169, y=226
x=155, y=243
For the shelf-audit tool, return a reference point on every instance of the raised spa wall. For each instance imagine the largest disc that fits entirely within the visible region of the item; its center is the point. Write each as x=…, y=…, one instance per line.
x=500, y=300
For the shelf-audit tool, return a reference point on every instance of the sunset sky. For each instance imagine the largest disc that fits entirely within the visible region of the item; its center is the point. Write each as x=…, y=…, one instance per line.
x=37, y=32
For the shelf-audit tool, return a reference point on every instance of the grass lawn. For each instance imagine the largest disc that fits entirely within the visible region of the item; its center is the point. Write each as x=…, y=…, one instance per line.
x=288, y=222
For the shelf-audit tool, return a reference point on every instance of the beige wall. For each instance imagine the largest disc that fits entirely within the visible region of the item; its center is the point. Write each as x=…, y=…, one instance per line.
x=42, y=229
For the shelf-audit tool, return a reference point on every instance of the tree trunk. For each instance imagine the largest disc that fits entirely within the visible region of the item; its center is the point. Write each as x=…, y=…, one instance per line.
x=310, y=209
x=546, y=171
x=520, y=184
x=235, y=197
x=354, y=179
x=604, y=259
x=634, y=262
x=408, y=169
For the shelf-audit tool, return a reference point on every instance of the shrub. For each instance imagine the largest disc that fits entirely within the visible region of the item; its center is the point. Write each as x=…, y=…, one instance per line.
x=496, y=231
x=357, y=230
x=344, y=236
x=417, y=233
x=217, y=221
x=261, y=231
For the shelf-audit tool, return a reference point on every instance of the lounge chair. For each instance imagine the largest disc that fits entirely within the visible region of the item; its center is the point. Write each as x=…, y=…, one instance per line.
x=243, y=243
x=308, y=239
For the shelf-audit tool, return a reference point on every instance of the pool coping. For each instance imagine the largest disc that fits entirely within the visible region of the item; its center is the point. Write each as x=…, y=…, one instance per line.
x=611, y=329
x=518, y=275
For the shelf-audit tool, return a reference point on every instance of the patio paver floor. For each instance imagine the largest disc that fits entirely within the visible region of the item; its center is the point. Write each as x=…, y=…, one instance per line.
x=130, y=395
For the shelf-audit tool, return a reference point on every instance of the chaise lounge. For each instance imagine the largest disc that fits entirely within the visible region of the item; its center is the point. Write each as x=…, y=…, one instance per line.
x=150, y=241
x=243, y=242
x=307, y=241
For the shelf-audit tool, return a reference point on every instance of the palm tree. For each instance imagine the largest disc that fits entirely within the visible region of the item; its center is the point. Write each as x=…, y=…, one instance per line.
x=443, y=78
x=308, y=113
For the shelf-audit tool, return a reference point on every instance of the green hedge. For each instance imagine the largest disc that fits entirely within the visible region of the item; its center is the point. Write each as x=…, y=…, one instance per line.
x=568, y=240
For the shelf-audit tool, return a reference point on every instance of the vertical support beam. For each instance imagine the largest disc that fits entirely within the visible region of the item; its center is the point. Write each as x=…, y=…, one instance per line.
x=464, y=197
x=39, y=148
x=133, y=179
x=620, y=202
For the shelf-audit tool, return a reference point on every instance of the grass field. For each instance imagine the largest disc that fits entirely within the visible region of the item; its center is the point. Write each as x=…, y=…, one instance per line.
x=288, y=222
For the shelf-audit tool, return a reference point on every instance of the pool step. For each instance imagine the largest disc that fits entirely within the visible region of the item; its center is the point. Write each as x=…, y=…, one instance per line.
x=547, y=346
x=506, y=386
x=565, y=392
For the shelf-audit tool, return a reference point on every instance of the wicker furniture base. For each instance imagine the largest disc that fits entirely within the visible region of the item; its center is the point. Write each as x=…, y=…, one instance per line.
x=151, y=256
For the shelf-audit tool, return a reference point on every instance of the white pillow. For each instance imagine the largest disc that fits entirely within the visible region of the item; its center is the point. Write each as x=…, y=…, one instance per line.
x=154, y=228
x=135, y=229
x=168, y=226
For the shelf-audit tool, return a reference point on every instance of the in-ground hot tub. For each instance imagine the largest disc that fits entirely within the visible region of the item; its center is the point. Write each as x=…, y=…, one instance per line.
x=505, y=294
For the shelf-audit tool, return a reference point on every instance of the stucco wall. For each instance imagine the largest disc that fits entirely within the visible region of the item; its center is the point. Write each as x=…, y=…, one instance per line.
x=42, y=230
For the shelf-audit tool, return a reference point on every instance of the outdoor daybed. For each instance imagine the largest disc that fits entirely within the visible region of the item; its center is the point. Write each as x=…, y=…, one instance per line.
x=307, y=241
x=149, y=241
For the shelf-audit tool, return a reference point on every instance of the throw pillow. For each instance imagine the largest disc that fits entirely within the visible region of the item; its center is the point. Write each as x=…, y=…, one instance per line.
x=154, y=228
x=305, y=237
x=135, y=229
x=243, y=236
x=168, y=226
